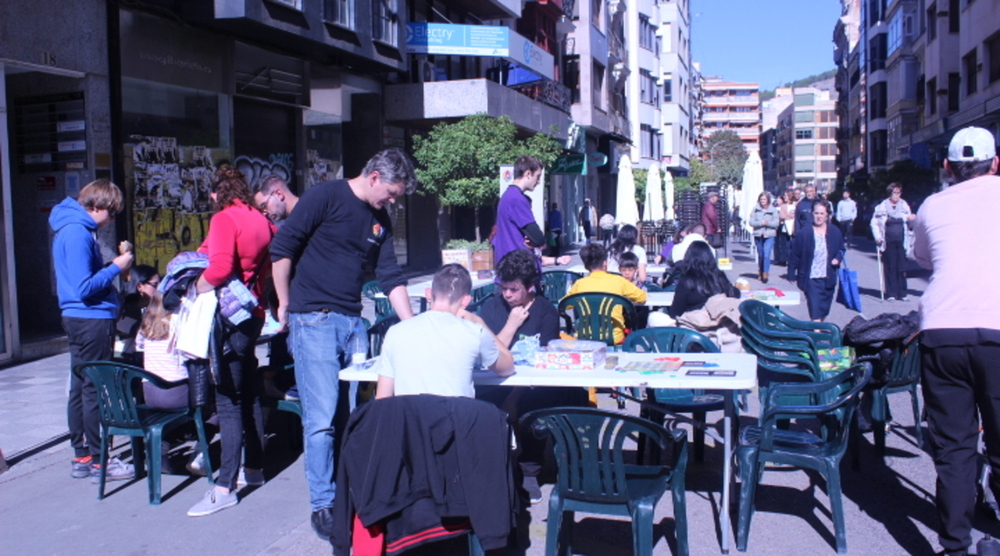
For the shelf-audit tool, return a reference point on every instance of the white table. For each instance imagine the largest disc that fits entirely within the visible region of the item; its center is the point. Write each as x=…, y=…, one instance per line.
x=651, y=269
x=665, y=299
x=744, y=377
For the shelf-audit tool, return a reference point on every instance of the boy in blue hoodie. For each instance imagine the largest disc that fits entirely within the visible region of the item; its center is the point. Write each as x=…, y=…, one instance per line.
x=89, y=304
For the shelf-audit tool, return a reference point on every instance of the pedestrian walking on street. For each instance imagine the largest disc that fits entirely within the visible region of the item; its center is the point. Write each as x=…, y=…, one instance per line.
x=960, y=323
x=803, y=209
x=847, y=211
x=783, y=239
x=555, y=225
x=764, y=220
x=588, y=219
x=710, y=219
x=892, y=229
x=816, y=252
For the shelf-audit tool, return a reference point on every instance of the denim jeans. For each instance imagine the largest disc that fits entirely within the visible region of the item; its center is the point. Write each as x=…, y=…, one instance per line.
x=764, y=247
x=319, y=344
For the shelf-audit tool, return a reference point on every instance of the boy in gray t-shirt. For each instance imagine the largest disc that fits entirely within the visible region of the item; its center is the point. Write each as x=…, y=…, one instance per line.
x=436, y=351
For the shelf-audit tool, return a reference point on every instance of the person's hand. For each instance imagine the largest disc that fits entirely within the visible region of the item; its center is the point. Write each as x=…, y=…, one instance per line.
x=911, y=217
x=281, y=315
x=563, y=261
x=835, y=262
x=518, y=315
x=124, y=261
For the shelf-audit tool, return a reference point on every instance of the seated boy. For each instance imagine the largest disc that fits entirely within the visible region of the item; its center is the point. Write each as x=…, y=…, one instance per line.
x=595, y=259
x=628, y=265
x=436, y=351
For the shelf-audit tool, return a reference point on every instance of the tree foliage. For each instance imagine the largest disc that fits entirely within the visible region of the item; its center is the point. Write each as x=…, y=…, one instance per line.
x=726, y=157
x=918, y=183
x=459, y=162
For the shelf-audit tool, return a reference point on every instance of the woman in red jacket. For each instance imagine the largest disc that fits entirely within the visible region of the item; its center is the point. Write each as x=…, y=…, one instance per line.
x=237, y=246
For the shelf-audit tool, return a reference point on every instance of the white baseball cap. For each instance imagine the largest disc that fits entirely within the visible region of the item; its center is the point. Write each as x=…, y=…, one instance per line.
x=972, y=144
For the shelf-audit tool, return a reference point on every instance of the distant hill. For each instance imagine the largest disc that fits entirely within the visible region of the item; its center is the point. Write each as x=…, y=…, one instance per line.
x=804, y=82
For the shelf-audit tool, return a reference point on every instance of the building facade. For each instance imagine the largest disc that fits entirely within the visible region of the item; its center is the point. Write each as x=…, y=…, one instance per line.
x=920, y=71
x=806, y=139
x=731, y=106
x=680, y=98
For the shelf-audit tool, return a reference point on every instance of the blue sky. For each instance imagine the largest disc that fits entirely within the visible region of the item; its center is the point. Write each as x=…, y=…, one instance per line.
x=770, y=42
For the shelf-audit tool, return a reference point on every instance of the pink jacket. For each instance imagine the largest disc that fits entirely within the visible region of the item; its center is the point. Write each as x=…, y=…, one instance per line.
x=952, y=238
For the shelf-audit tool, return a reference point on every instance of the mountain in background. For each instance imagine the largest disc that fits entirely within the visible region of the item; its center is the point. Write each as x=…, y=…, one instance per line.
x=817, y=80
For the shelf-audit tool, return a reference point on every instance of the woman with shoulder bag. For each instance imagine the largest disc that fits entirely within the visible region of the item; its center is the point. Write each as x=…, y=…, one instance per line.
x=237, y=243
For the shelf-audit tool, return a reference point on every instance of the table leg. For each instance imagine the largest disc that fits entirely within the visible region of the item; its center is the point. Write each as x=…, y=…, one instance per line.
x=727, y=469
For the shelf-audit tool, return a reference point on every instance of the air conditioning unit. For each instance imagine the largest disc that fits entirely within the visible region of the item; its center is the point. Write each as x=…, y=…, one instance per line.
x=426, y=72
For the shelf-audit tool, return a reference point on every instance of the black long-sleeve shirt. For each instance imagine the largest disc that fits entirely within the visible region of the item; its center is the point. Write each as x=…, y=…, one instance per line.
x=333, y=239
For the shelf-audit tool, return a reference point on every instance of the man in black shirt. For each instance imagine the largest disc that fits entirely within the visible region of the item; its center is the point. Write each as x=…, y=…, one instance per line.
x=803, y=210
x=338, y=229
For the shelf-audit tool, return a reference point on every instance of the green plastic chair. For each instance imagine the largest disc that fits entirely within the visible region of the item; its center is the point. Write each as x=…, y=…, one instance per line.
x=376, y=334
x=594, y=477
x=821, y=452
x=121, y=414
x=556, y=283
x=903, y=376
x=668, y=339
x=771, y=320
x=382, y=305
x=479, y=296
x=592, y=315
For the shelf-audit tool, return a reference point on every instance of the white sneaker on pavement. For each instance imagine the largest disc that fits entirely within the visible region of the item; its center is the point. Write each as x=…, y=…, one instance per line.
x=214, y=501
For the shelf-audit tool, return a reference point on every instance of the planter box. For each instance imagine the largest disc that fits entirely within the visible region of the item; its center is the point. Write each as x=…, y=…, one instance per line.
x=459, y=256
x=482, y=260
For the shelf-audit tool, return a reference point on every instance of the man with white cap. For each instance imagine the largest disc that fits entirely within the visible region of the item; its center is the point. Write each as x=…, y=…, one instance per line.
x=960, y=323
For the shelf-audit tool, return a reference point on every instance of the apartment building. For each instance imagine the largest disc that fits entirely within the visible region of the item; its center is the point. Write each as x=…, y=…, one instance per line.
x=680, y=99
x=922, y=70
x=727, y=105
x=806, y=139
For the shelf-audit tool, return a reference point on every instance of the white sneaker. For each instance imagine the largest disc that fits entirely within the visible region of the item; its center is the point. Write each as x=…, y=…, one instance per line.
x=250, y=477
x=213, y=501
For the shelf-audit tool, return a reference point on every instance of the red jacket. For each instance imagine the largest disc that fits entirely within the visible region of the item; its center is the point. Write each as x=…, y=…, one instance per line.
x=710, y=218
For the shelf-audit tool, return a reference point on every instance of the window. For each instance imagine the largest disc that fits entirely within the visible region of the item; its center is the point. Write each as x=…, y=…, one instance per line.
x=649, y=142
x=954, y=91
x=876, y=52
x=992, y=48
x=340, y=12
x=807, y=99
x=932, y=96
x=571, y=76
x=647, y=33
x=385, y=22
x=970, y=65
x=668, y=93
x=598, y=86
x=878, y=145
x=805, y=116
x=809, y=149
x=877, y=101
x=805, y=166
x=932, y=22
x=827, y=133
x=828, y=149
x=647, y=88
x=954, y=16
x=804, y=133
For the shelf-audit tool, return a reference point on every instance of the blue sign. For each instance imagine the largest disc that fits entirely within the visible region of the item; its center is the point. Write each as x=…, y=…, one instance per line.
x=467, y=40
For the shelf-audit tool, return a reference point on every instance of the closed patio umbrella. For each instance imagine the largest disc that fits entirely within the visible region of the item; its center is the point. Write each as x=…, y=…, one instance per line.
x=753, y=186
x=627, y=209
x=653, y=209
x=668, y=195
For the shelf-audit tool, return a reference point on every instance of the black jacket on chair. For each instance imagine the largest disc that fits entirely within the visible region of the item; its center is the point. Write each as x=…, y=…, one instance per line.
x=409, y=461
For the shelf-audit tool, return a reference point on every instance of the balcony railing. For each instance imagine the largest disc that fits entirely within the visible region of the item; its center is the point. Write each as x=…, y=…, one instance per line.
x=550, y=92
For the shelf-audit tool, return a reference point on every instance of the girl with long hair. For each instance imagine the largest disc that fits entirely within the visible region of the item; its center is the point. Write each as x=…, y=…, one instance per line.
x=626, y=242
x=700, y=279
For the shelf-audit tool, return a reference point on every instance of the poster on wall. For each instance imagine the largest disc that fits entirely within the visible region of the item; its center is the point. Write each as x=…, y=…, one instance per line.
x=168, y=188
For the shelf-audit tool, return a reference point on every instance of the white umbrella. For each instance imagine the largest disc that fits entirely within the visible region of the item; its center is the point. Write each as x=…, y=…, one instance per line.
x=753, y=186
x=628, y=210
x=668, y=194
x=653, y=209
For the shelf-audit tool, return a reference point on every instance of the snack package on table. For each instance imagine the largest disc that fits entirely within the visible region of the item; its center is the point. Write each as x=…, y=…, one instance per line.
x=571, y=354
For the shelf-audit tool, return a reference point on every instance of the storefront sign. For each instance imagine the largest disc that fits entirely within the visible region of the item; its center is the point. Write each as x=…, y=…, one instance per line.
x=571, y=164
x=478, y=40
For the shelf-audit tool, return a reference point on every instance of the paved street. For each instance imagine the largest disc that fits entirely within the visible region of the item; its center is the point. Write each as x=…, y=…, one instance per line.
x=889, y=508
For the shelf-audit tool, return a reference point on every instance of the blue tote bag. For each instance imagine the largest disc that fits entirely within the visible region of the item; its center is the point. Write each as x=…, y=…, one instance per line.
x=848, y=294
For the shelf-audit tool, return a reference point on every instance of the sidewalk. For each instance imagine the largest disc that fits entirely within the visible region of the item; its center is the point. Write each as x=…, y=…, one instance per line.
x=889, y=508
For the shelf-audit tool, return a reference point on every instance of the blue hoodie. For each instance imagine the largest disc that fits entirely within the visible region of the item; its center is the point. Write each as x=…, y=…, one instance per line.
x=83, y=281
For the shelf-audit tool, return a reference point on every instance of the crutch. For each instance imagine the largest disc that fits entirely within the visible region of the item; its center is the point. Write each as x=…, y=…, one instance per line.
x=881, y=278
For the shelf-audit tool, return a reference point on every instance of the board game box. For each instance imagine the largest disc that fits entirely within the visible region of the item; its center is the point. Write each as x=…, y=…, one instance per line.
x=571, y=355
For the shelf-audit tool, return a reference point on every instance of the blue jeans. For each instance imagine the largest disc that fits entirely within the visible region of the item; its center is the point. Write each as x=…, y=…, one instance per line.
x=764, y=247
x=319, y=343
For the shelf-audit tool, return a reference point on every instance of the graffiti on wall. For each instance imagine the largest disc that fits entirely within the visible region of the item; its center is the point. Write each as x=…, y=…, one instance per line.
x=168, y=188
x=256, y=169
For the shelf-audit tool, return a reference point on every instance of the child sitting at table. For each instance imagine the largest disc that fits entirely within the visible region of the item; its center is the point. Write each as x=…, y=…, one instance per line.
x=628, y=265
x=436, y=351
x=595, y=259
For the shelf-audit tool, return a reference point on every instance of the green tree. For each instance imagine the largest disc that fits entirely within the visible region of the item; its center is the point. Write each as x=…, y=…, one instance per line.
x=698, y=174
x=641, y=177
x=459, y=162
x=726, y=157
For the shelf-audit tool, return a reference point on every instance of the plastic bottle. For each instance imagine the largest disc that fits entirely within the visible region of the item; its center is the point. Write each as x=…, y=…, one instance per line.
x=988, y=546
x=359, y=348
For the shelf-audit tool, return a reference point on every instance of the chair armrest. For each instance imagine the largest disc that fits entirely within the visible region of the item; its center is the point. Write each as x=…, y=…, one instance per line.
x=811, y=328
